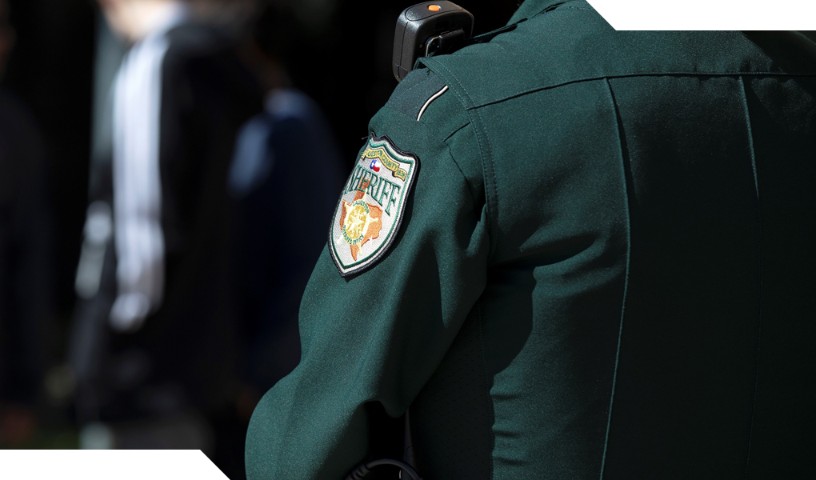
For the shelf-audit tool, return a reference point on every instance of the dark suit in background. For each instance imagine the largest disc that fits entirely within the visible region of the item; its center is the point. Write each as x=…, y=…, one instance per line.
x=181, y=362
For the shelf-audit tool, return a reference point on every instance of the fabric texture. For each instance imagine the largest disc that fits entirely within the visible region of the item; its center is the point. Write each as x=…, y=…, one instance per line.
x=604, y=270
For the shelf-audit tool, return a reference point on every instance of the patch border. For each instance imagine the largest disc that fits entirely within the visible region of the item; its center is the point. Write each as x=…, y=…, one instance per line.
x=364, y=265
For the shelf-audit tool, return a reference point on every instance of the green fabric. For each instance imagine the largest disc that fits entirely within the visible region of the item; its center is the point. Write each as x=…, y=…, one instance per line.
x=605, y=269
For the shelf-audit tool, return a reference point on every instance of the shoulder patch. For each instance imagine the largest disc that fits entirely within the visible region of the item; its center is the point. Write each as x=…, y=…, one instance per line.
x=373, y=200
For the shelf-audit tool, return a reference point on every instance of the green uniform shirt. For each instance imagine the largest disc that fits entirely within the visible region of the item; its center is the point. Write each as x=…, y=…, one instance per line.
x=599, y=264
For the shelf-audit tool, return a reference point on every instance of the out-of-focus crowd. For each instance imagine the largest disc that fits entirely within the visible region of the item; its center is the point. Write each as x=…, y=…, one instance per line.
x=150, y=280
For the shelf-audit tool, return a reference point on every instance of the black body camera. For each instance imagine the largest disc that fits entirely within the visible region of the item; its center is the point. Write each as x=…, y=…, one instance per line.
x=427, y=29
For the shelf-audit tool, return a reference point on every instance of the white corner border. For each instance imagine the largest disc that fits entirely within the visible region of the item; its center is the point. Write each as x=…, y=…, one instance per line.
x=745, y=15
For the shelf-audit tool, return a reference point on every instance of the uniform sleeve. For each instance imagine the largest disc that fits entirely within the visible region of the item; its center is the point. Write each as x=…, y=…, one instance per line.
x=370, y=341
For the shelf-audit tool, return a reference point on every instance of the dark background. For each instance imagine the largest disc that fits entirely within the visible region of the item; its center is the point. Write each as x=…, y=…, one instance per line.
x=343, y=61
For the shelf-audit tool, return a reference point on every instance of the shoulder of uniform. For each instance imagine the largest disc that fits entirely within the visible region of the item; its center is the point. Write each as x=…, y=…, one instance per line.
x=573, y=43
x=414, y=95
x=422, y=100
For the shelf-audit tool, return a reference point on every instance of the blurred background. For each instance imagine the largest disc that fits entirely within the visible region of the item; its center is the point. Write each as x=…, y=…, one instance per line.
x=297, y=80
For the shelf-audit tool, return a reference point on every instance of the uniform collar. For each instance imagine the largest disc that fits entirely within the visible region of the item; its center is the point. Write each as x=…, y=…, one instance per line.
x=531, y=8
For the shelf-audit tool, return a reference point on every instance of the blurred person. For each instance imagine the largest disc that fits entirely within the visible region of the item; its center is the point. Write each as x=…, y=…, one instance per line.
x=153, y=348
x=284, y=178
x=25, y=256
x=568, y=252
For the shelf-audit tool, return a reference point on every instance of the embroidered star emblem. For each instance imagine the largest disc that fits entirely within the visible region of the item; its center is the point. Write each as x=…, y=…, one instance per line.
x=360, y=222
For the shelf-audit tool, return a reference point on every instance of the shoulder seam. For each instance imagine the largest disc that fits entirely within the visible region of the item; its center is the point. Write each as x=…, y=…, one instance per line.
x=485, y=157
x=636, y=75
